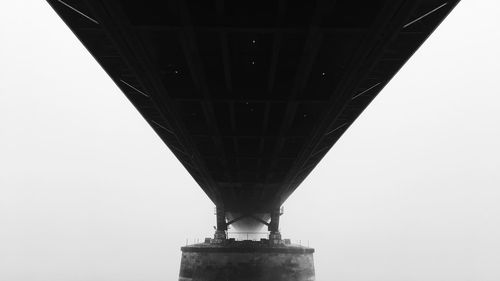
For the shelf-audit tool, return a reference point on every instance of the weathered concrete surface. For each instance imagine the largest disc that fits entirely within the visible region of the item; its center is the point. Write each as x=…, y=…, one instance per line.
x=250, y=262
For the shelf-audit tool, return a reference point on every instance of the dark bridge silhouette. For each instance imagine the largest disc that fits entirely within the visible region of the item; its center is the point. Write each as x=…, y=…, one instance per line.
x=250, y=95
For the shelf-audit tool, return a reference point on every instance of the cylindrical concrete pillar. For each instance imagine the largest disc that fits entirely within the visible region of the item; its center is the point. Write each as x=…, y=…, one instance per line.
x=274, y=224
x=221, y=218
x=220, y=232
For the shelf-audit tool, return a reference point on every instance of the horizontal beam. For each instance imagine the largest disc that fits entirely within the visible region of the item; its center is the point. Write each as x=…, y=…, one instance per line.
x=247, y=216
x=326, y=30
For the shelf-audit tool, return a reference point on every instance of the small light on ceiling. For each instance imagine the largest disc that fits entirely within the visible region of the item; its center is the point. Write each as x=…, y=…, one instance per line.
x=253, y=62
x=176, y=71
x=323, y=73
x=253, y=41
x=305, y=115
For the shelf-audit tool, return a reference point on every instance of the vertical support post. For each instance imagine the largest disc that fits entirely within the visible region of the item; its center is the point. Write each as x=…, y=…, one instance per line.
x=220, y=232
x=275, y=235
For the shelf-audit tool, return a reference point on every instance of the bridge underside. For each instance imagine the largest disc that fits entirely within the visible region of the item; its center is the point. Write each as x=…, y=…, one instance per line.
x=250, y=95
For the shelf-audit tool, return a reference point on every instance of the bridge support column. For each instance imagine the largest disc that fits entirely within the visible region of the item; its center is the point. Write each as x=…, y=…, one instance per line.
x=220, y=232
x=274, y=233
x=229, y=259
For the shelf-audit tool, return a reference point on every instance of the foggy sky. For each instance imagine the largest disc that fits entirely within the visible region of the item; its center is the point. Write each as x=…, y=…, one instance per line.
x=89, y=192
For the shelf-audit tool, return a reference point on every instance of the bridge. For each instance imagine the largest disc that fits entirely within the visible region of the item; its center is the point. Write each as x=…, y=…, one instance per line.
x=251, y=95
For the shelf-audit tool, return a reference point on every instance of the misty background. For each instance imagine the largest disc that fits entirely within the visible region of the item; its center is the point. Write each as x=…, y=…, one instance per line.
x=89, y=192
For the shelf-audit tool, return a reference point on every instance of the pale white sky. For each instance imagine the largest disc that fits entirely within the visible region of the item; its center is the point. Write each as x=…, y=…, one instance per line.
x=89, y=192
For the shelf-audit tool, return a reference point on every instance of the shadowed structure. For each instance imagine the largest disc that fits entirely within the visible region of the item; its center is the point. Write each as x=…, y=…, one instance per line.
x=250, y=95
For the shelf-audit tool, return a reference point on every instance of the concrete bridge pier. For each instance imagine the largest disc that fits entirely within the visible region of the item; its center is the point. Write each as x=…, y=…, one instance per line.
x=221, y=259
